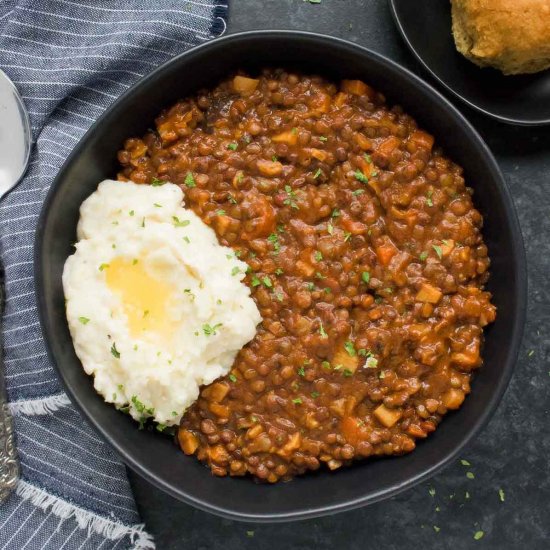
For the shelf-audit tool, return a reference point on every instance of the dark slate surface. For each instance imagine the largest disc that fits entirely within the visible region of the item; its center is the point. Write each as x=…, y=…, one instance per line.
x=512, y=452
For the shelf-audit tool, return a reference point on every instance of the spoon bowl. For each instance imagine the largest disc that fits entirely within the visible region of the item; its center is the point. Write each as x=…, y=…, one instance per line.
x=15, y=136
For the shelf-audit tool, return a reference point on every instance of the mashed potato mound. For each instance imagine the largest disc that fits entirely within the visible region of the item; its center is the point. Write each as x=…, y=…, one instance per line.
x=156, y=306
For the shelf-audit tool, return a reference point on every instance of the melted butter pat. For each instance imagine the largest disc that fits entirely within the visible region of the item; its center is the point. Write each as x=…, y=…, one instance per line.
x=144, y=299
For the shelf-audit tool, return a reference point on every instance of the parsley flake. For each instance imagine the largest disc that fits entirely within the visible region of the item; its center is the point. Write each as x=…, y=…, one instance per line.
x=210, y=330
x=232, y=146
x=359, y=176
x=438, y=250
x=103, y=266
x=267, y=282
x=318, y=256
x=233, y=378
x=236, y=270
x=365, y=276
x=84, y=320
x=114, y=352
x=155, y=182
x=180, y=223
x=189, y=180
x=297, y=401
x=322, y=331
x=478, y=535
x=318, y=173
x=350, y=348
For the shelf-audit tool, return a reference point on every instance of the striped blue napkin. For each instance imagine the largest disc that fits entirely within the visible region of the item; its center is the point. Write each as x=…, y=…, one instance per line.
x=70, y=60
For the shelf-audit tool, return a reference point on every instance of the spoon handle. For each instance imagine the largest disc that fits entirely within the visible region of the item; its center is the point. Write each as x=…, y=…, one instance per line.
x=9, y=465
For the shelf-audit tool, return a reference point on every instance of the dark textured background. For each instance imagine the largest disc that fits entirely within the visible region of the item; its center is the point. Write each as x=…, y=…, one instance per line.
x=512, y=452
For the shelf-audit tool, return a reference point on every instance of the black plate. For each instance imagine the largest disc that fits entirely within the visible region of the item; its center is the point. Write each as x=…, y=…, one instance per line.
x=154, y=456
x=426, y=28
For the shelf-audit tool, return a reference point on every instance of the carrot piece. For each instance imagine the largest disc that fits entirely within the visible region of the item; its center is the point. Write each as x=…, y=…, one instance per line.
x=357, y=87
x=289, y=137
x=422, y=139
x=269, y=167
x=318, y=154
x=387, y=146
x=245, y=85
x=353, y=430
x=340, y=99
x=188, y=441
x=428, y=293
x=385, y=252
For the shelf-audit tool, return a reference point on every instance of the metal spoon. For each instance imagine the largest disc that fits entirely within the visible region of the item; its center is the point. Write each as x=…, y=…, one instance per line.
x=15, y=148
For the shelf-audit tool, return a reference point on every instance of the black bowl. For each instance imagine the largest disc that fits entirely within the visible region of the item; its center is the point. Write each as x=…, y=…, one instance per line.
x=154, y=456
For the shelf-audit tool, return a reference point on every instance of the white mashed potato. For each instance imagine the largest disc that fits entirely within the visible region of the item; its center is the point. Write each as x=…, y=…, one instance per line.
x=155, y=304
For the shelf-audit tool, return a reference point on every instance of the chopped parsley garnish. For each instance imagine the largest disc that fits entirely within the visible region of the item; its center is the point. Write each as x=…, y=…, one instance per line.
x=291, y=195
x=186, y=239
x=367, y=158
x=470, y=475
x=103, y=266
x=423, y=256
x=250, y=533
x=431, y=490
x=358, y=192
x=335, y=213
x=429, y=198
x=180, y=223
x=323, y=138
x=279, y=296
x=84, y=320
x=231, y=199
x=114, y=351
x=145, y=313
x=326, y=365
x=174, y=413
x=310, y=286
x=138, y=405
x=233, y=378
x=297, y=401
x=131, y=213
x=347, y=236
x=501, y=495
x=317, y=173
x=350, y=348
x=318, y=275
x=315, y=394
x=232, y=146
x=134, y=261
x=359, y=176
x=220, y=212
x=143, y=222
x=155, y=182
x=235, y=271
x=255, y=281
x=437, y=529
x=330, y=228
x=478, y=535
x=318, y=256
x=294, y=131
x=382, y=374
x=365, y=276
x=189, y=180
x=274, y=240
x=438, y=250
x=210, y=330
x=279, y=271
x=371, y=362
x=267, y=282
x=301, y=371
x=157, y=205
x=464, y=462
x=348, y=373
x=322, y=331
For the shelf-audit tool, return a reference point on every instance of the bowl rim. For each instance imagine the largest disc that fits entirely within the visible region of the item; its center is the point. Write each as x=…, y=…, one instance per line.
x=49, y=330
x=501, y=118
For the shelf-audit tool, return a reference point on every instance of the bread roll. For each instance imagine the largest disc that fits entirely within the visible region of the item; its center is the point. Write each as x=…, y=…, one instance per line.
x=510, y=35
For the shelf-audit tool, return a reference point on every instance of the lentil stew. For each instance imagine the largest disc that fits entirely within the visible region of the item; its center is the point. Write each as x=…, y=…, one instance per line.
x=366, y=261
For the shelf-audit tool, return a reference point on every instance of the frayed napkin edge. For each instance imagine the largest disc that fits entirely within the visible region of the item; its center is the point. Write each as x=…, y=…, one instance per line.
x=45, y=405
x=93, y=523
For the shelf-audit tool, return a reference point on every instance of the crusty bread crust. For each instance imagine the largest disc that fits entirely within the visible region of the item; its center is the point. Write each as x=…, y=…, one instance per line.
x=510, y=35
